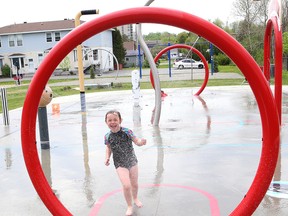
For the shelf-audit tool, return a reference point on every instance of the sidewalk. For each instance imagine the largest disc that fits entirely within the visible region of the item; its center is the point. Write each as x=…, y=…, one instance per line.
x=200, y=161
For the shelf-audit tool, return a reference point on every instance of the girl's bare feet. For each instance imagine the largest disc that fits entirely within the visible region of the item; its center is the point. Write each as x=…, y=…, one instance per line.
x=129, y=211
x=138, y=203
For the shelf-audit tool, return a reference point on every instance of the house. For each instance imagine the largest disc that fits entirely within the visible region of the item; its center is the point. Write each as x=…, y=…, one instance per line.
x=133, y=55
x=152, y=43
x=132, y=58
x=24, y=46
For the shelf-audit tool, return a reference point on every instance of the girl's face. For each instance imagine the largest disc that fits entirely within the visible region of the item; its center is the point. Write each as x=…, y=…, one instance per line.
x=114, y=122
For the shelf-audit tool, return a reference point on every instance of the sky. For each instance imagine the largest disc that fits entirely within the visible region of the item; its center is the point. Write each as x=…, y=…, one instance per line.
x=40, y=11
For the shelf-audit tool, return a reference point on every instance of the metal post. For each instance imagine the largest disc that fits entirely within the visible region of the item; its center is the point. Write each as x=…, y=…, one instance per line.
x=169, y=61
x=43, y=127
x=140, y=60
x=5, y=106
x=80, y=57
x=211, y=57
x=46, y=165
x=135, y=79
x=148, y=2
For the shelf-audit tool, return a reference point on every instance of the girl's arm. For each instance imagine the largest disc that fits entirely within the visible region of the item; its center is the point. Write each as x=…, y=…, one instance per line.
x=108, y=154
x=139, y=141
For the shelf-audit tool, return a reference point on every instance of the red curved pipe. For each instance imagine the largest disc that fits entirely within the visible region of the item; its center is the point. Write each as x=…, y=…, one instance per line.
x=273, y=23
x=193, y=50
x=189, y=22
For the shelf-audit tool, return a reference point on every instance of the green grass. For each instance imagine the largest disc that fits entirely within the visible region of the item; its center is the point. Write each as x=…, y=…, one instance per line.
x=229, y=68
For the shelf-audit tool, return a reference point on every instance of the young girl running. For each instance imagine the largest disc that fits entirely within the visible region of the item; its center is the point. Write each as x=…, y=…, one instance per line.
x=119, y=143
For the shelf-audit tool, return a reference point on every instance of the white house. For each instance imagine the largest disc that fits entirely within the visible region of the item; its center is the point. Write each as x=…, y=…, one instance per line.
x=23, y=46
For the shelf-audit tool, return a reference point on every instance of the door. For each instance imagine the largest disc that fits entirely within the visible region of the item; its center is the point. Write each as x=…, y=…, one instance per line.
x=15, y=66
x=31, y=66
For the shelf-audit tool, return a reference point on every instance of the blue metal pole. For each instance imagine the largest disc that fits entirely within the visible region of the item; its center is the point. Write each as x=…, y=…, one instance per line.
x=140, y=60
x=211, y=57
x=169, y=61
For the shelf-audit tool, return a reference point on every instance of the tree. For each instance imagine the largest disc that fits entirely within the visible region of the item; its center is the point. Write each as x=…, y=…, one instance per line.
x=167, y=37
x=6, y=70
x=118, y=47
x=250, y=29
x=251, y=11
x=65, y=64
x=152, y=36
x=285, y=43
x=125, y=38
x=156, y=49
x=181, y=37
x=191, y=38
x=218, y=23
x=285, y=15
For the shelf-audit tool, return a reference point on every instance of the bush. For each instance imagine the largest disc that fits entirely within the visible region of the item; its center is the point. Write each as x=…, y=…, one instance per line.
x=216, y=65
x=6, y=70
x=222, y=59
x=146, y=63
x=92, y=73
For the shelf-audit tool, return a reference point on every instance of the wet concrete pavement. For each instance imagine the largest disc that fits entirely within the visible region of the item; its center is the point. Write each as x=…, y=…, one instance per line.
x=201, y=159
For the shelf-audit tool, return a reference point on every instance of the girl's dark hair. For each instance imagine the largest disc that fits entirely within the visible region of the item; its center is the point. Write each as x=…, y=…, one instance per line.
x=115, y=112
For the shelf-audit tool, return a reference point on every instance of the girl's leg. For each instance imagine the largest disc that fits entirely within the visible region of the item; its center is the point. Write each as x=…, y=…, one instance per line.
x=123, y=174
x=134, y=185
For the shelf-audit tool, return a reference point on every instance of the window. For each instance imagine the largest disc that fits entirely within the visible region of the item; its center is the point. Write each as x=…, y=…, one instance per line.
x=15, y=40
x=95, y=54
x=11, y=41
x=57, y=36
x=48, y=37
x=0, y=42
x=19, y=40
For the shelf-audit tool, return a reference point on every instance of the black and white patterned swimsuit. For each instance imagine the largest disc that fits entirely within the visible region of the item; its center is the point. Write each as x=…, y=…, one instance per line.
x=122, y=147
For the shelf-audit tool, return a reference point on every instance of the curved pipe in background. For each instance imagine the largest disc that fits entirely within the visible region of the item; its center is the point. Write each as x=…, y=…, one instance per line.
x=273, y=24
x=157, y=109
x=204, y=84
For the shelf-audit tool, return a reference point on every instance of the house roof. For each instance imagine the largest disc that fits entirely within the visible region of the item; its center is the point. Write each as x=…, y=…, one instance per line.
x=133, y=52
x=66, y=24
x=129, y=45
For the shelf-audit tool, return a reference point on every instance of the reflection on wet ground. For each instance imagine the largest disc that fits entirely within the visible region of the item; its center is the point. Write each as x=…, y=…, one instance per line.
x=201, y=159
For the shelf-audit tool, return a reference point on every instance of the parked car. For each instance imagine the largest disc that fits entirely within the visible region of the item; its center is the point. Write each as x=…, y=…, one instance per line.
x=178, y=59
x=188, y=63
